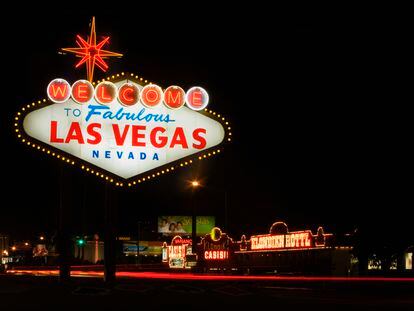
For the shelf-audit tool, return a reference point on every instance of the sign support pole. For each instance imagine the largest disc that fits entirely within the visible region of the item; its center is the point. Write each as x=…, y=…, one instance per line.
x=63, y=242
x=109, y=239
x=193, y=222
x=225, y=212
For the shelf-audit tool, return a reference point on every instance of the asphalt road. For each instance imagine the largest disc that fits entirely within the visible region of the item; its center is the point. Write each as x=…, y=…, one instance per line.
x=23, y=292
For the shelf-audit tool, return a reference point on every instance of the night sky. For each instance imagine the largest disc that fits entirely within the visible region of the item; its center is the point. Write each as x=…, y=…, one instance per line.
x=315, y=142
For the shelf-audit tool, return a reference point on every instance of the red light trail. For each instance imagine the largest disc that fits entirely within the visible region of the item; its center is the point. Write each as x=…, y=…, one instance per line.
x=211, y=277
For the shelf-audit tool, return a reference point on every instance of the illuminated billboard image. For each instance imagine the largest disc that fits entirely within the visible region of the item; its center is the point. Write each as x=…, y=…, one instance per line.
x=181, y=225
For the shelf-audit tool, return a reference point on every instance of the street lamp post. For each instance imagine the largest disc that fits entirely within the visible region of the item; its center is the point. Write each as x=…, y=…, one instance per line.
x=225, y=196
x=194, y=185
x=225, y=213
x=139, y=236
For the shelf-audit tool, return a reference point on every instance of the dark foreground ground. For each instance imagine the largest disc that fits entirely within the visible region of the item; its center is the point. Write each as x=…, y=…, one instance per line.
x=25, y=292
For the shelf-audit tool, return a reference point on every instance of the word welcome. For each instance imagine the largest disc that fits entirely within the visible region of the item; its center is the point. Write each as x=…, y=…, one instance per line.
x=128, y=94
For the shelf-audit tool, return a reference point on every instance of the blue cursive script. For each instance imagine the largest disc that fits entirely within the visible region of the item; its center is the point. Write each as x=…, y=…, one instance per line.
x=142, y=115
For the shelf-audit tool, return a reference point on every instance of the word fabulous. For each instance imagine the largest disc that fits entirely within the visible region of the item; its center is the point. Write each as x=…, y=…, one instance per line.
x=128, y=94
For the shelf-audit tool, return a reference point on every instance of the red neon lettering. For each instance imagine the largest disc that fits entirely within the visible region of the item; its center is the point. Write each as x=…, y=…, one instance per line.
x=53, y=133
x=95, y=134
x=103, y=94
x=151, y=96
x=128, y=94
x=162, y=140
x=55, y=92
x=216, y=255
x=171, y=99
x=82, y=91
x=124, y=94
x=120, y=138
x=136, y=135
x=196, y=98
x=75, y=133
x=200, y=139
x=179, y=138
x=58, y=90
x=174, y=97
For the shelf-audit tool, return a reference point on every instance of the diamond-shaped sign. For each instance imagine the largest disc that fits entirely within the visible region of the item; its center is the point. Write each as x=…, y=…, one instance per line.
x=124, y=144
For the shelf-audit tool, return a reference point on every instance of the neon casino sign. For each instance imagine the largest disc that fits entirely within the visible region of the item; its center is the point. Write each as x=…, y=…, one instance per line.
x=122, y=129
x=280, y=238
x=216, y=255
x=216, y=245
x=301, y=239
x=177, y=252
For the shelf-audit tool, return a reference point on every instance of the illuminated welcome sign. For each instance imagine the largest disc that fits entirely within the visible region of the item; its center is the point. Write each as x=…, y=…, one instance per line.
x=123, y=129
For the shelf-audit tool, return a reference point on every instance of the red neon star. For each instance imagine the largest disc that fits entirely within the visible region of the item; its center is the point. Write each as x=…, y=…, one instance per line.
x=91, y=53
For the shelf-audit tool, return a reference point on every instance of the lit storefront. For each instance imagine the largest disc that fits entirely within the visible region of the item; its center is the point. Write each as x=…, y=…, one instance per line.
x=300, y=252
x=279, y=251
x=215, y=251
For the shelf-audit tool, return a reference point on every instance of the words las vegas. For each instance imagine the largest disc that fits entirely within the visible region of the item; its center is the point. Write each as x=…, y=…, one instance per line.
x=128, y=95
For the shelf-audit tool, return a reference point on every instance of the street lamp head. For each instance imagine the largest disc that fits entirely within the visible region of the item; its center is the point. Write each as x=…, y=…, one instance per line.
x=42, y=237
x=195, y=184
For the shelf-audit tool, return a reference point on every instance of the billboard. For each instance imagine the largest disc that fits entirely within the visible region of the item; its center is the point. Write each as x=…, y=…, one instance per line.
x=145, y=248
x=182, y=225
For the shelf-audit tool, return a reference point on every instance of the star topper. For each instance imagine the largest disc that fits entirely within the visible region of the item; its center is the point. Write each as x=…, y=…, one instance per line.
x=91, y=53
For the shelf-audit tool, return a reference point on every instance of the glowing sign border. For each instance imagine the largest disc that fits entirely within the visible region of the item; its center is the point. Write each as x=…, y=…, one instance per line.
x=100, y=172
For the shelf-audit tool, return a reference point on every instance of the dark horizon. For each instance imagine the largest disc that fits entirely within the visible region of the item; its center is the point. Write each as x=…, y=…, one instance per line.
x=319, y=152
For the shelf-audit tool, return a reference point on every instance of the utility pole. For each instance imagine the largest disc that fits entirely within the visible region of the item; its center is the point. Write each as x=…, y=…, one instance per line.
x=63, y=241
x=139, y=236
x=193, y=223
x=225, y=212
x=109, y=238
x=194, y=186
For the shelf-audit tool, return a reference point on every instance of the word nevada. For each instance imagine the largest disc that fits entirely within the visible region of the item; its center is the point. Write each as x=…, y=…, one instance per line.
x=128, y=94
